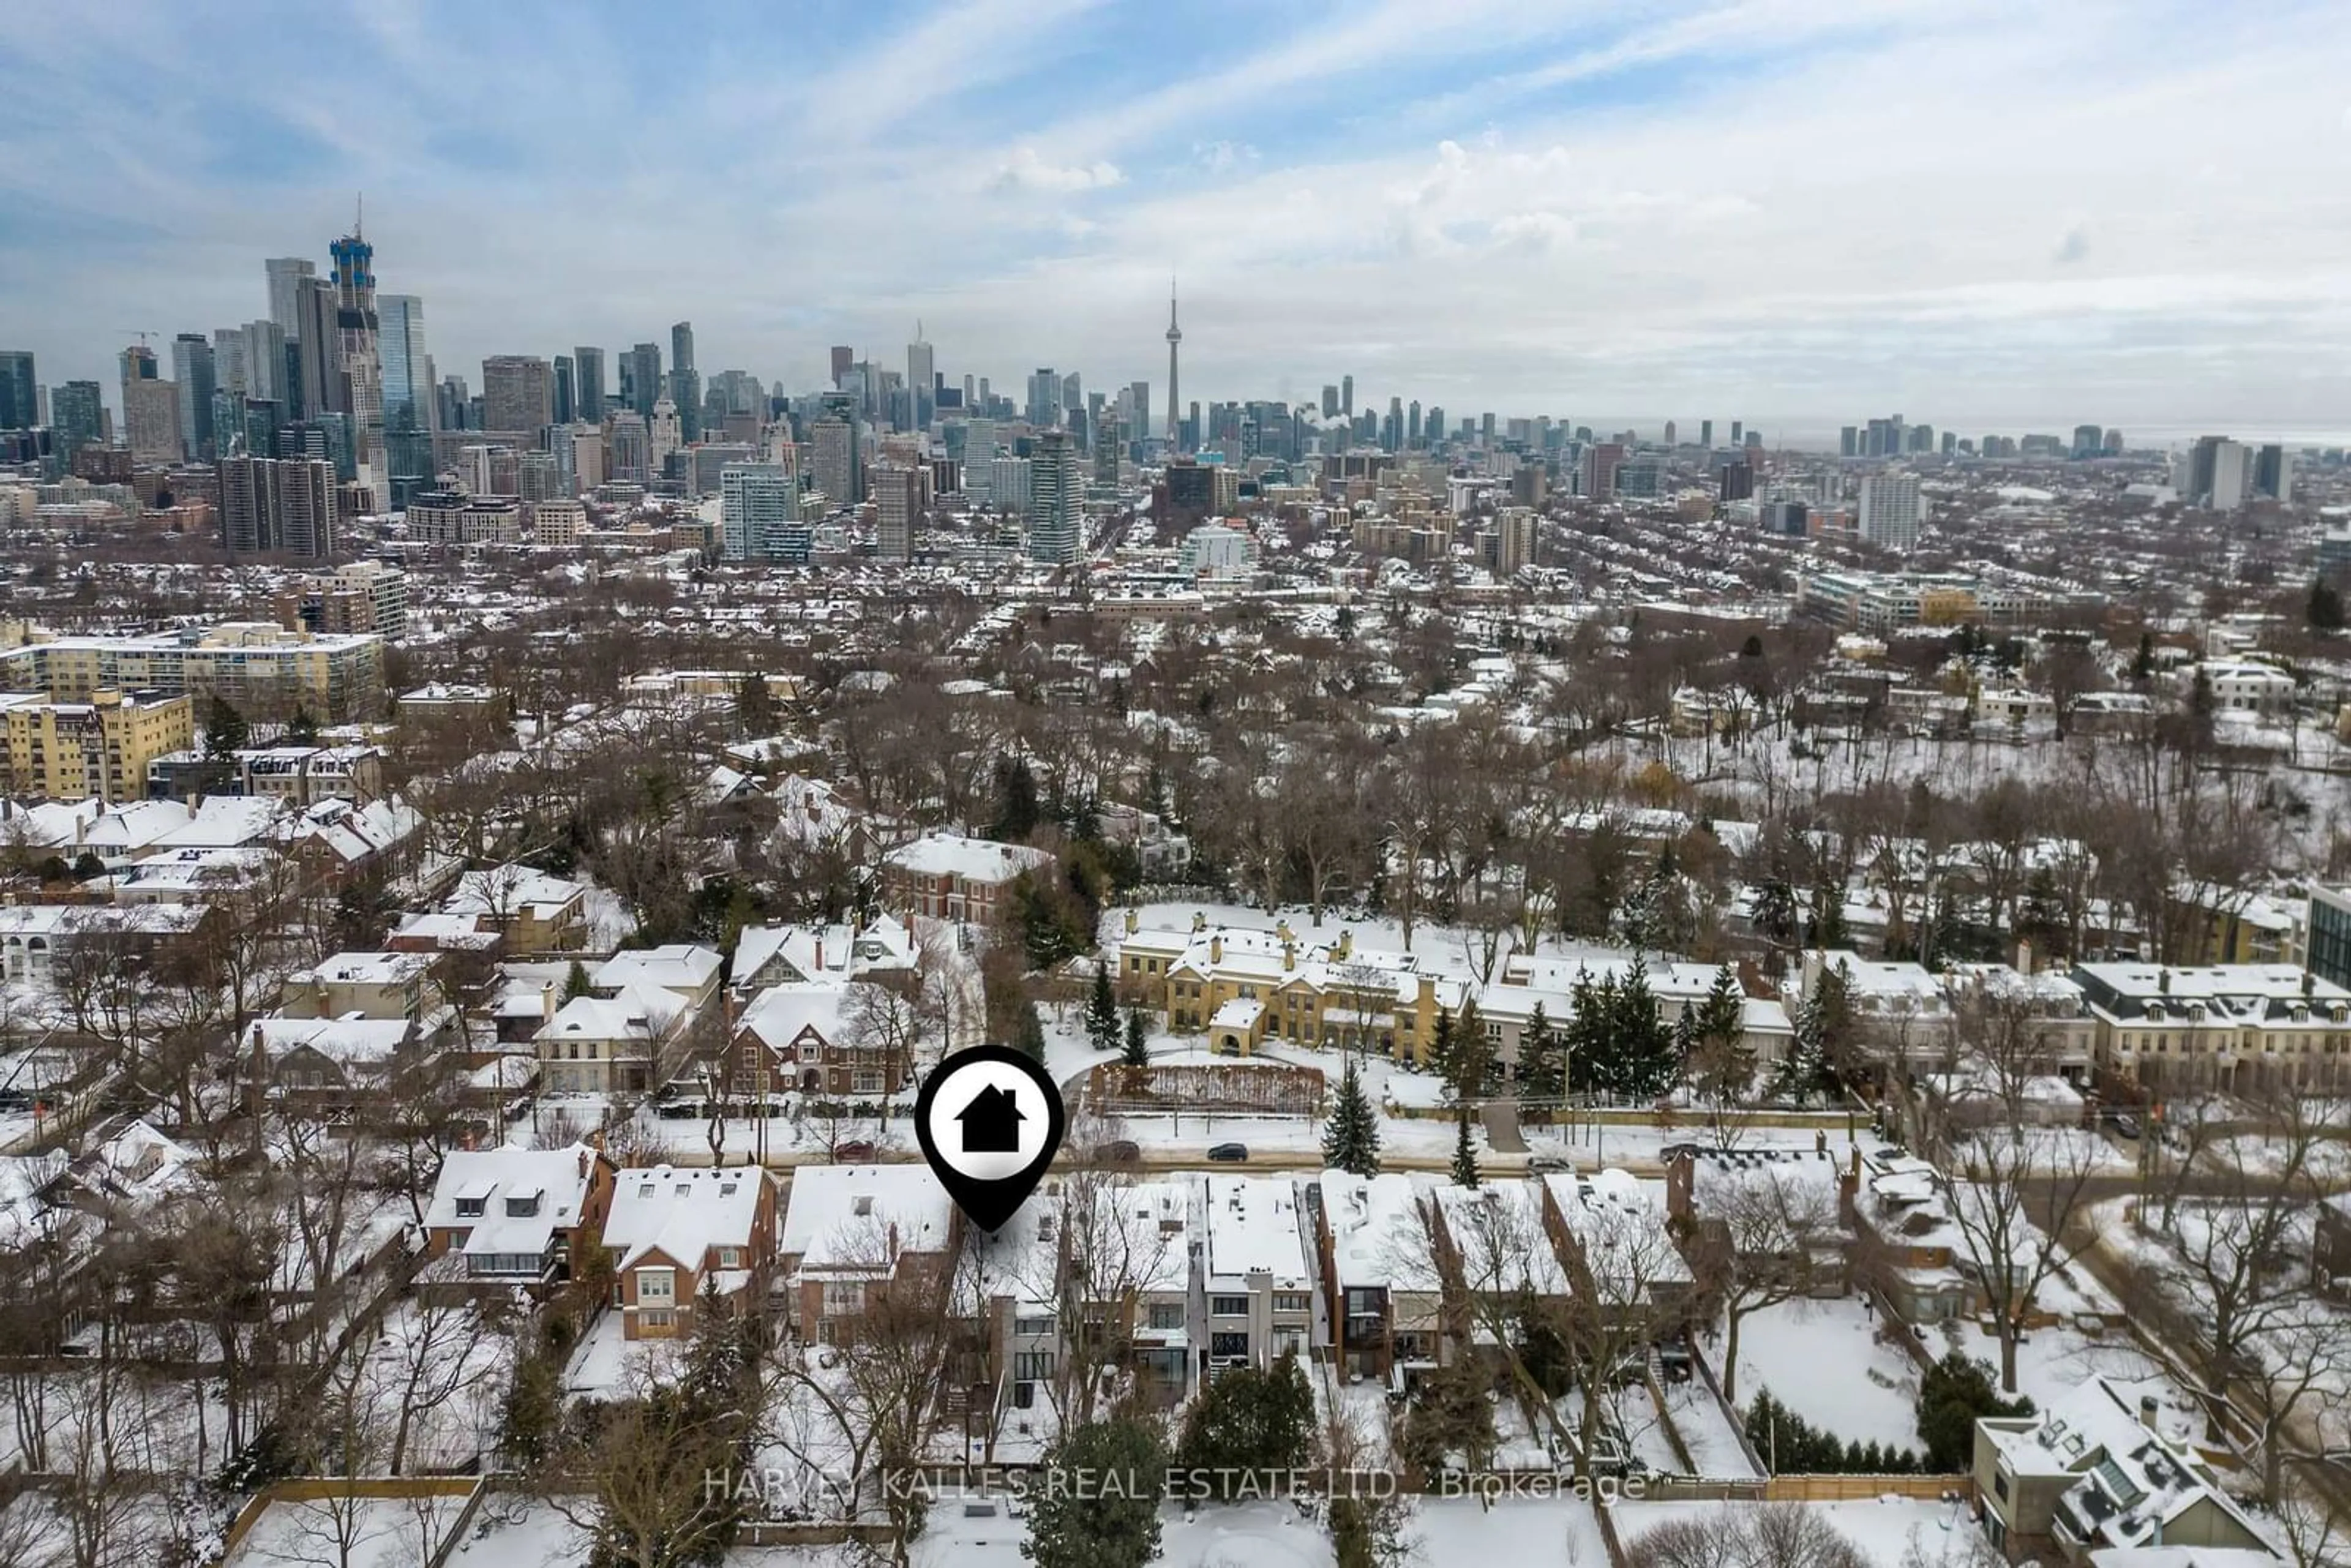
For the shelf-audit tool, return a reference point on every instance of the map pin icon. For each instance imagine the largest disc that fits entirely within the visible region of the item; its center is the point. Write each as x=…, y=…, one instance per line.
x=989, y=1120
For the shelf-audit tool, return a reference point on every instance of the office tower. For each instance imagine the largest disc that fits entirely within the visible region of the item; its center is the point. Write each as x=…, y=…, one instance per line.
x=1055, y=492
x=265, y=360
x=629, y=441
x=2113, y=441
x=1889, y=510
x=1175, y=397
x=151, y=420
x=1044, y=398
x=1670, y=433
x=192, y=368
x=136, y=364
x=835, y=463
x=229, y=374
x=19, y=403
x=1486, y=431
x=897, y=502
x=1706, y=433
x=2273, y=472
x=1737, y=437
x=663, y=435
x=1347, y=398
x=588, y=384
x=2089, y=441
x=1950, y=443
x=1009, y=485
x=317, y=352
x=1735, y=481
x=1601, y=459
x=400, y=349
x=1392, y=434
x=356, y=328
x=922, y=380
x=1849, y=442
x=1411, y=424
x=517, y=394
x=843, y=356
x=757, y=502
x=641, y=379
x=286, y=274
x=76, y=419
x=1754, y=442
x=274, y=508
x=1138, y=412
x=567, y=399
x=681, y=346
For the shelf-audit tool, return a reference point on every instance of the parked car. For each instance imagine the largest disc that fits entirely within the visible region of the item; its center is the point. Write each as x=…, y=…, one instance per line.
x=1229, y=1153
x=1538, y=1164
x=1672, y=1152
x=1120, y=1152
x=855, y=1152
x=2125, y=1125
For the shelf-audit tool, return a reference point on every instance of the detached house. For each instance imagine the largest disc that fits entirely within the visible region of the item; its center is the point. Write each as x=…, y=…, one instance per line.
x=852, y=1235
x=629, y=1042
x=513, y=1213
x=535, y=912
x=950, y=877
x=806, y=1037
x=673, y=1232
x=2099, y=1474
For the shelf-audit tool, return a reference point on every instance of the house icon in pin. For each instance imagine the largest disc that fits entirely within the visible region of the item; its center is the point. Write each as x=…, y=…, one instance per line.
x=991, y=1122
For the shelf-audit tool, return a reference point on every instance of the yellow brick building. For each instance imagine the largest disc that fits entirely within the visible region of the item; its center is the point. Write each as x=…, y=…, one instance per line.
x=73, y=750
x=263, y=669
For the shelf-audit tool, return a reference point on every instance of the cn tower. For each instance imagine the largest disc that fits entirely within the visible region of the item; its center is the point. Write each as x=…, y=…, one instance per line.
x=1175, y=336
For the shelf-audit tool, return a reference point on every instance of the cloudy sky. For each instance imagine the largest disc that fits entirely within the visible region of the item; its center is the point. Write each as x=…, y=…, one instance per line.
x=1978, y=214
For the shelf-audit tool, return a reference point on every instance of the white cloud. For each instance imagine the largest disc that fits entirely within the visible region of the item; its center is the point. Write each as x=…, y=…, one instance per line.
x=1027, y=171
x=1223, y=157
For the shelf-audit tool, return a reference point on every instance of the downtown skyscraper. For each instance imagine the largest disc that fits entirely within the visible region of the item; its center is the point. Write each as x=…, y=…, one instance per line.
x=357, y=330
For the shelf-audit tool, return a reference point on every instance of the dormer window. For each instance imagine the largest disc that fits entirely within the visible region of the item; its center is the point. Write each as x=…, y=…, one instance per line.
x=522, y=1205
x=470, y=1208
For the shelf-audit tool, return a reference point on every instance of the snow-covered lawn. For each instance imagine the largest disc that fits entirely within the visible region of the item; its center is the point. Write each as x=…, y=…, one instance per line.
x=1881, y=1529
x=364, y=1533
x=1822, y=1359
x=606, y=1365
x=1707, y=1431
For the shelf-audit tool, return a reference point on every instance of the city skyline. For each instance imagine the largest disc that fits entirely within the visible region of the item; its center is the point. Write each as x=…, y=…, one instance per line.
x=1697, y=211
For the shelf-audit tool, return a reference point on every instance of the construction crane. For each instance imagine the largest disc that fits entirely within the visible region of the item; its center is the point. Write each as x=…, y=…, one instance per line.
x=135, y=332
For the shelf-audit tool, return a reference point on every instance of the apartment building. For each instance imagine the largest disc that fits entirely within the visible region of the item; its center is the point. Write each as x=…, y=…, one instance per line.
x=264, y=670
x=2218, y=1025
x=99, y=749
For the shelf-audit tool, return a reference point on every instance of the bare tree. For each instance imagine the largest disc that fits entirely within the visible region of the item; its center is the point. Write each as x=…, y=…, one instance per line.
x=2003, y=1174
x=1769, y=1535
x=1768, y=1233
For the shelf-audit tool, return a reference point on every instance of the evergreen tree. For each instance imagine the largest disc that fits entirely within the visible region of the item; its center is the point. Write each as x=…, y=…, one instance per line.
x=1953, y=1394
x=576, y=983
x=1775, y=912
x=1829, y=928
x=1589, y=1043
x=1029, y=1033
x=1542, y=1065
x=1138, y=1034
x=1351, y=1142
x=1016, y=800
x=2325, y=607
x=301, y=729
x=2143, y=665
x=1439, y=1058
x=225, y=731
x=1102, y=1013
x=1642, y=1064
x=1248, y=1424
x=1104, y=1513
x=755, y=707
x=1724, y=1064
x=1465, y=1152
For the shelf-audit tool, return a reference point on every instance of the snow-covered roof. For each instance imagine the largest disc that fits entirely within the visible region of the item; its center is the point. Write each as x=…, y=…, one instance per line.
x=353, y=1041
x=1371, y=1221
x=682, y=1213
x=558, y=1178
x=638, y=1012
x=966, y=859
x=683, y=967
x=364, y=969
x=857, y=1218
x=1252, y=1229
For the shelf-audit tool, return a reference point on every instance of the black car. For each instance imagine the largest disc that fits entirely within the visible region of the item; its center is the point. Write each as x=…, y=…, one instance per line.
x=1229, y=1153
